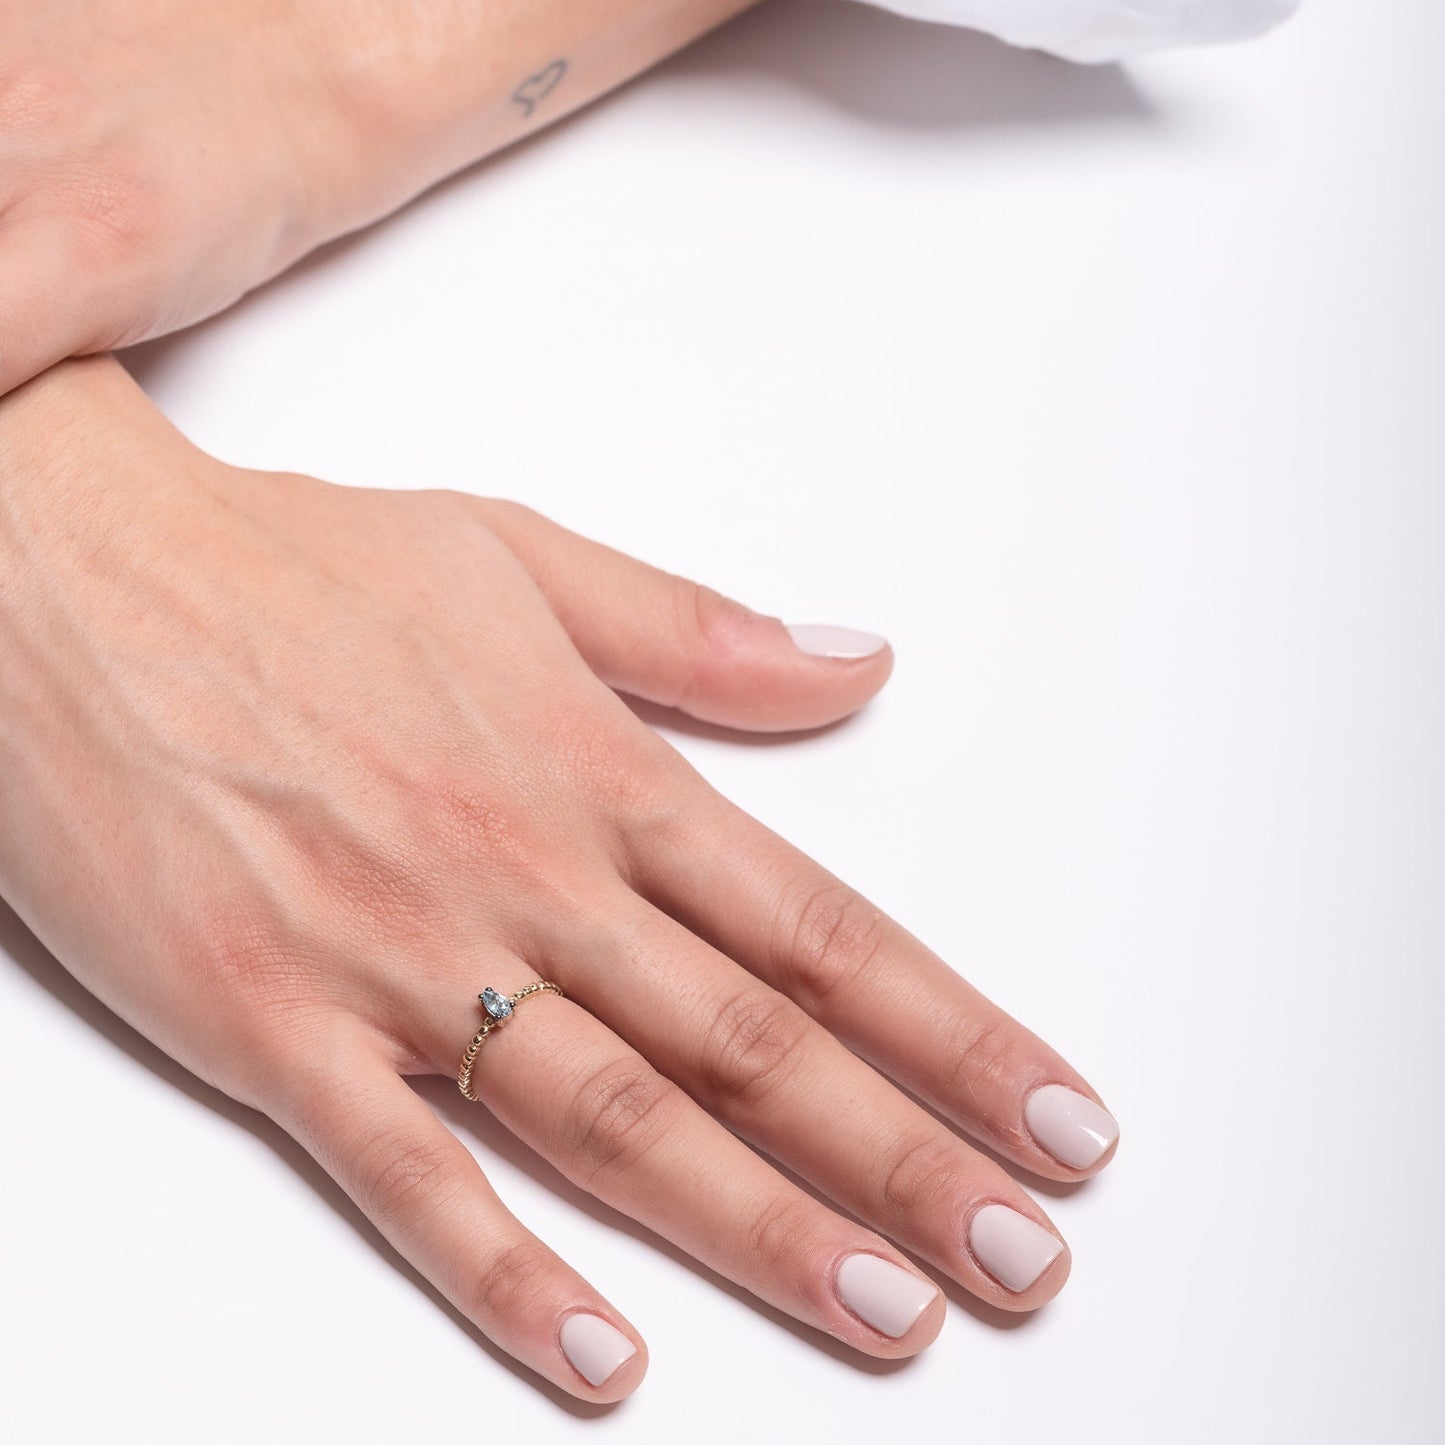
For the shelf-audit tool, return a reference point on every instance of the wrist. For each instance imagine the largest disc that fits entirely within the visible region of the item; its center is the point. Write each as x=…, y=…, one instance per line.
x=65, y=437
x=56, y=414
x=415, y=94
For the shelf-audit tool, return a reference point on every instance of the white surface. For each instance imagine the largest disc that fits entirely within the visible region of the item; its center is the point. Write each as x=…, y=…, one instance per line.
x=1112, y=397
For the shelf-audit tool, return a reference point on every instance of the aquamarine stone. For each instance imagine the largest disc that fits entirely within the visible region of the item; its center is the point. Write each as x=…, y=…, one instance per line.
x=496, y=1004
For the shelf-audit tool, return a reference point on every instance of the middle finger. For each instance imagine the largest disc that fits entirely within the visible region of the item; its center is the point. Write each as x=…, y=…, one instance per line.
x=567, y=1086
x=753, y=1058
x=872, y=984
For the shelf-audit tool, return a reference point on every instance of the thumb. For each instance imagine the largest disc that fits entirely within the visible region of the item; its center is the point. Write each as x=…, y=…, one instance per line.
x=661, y=637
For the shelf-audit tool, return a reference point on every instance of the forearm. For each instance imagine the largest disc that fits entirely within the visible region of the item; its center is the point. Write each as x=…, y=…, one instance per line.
x=425, y=90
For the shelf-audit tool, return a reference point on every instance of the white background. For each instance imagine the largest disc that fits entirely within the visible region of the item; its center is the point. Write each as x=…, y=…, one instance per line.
x=1112, y=395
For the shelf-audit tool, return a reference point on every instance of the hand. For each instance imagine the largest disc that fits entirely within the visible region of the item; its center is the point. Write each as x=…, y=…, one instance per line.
x=160, y=158
x=293, y=769
x=157, y=159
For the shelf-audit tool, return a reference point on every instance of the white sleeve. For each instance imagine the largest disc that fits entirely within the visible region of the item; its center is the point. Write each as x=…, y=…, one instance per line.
x=1096, y=31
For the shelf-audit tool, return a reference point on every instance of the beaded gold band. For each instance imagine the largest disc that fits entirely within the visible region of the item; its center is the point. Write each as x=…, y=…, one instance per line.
x=498, y=1007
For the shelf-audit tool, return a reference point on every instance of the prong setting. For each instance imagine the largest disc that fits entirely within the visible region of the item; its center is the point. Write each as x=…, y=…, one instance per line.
x=496, y=1004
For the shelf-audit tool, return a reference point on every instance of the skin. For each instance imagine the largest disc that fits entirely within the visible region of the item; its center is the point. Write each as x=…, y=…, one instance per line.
x=318, y=761
x=313, y=755
x=160, y=158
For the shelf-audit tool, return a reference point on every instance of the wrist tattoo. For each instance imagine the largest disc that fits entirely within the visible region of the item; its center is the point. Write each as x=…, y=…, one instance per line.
x=536, y=88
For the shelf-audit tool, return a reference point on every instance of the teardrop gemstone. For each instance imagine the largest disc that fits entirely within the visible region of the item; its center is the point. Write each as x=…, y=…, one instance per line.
x=496, y=1004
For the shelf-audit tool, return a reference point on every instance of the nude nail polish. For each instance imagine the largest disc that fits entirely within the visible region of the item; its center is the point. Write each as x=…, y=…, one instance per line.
x=818, y=639
x=1011, y=1247
x=1075, y=1130
x=882, y=1295
x=596, y=1349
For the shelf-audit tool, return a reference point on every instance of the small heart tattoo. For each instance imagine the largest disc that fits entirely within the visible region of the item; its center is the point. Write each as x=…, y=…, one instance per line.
x=536, y=88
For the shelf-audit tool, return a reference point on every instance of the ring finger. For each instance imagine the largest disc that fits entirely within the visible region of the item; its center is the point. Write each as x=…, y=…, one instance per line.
x=566, y=1085
x=870, y=983
x=755, y=1059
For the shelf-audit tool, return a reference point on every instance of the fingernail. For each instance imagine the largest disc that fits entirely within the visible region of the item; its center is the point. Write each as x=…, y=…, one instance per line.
x=882, y=1295
x=1011, y=1247
x=597, y=1350
x=1075, y=1130
x=817, y=639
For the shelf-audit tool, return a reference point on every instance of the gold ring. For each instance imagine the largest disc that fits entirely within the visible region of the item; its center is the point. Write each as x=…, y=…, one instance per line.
x=498, y=1007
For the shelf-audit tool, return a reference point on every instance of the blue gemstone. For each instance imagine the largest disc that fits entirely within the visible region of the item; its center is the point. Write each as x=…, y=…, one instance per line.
x=496, y=1004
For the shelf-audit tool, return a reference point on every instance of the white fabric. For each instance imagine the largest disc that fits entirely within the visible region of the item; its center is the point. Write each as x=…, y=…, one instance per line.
x=1096, y=31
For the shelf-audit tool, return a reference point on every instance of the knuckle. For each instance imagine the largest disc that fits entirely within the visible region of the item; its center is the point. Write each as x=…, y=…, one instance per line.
x=753, y=1046
x=720, y=622
x=979, y=1056
x=714, y=628
x=465, y=504
x=603, y=752
x=779, y=1233
x=665, y=807
x=506, y=510
x=621, y=1111
x=462, y=509
x=836, y=937
x=665, y=798
x=587, y=745
x=83, y=174
x=669, y=809
x=395, y=1176
x=509, y=1285
x=923, y=1171
x=466, y=813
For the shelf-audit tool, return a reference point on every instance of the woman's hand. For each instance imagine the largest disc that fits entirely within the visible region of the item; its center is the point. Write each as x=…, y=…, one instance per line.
x=159, y=158
x=292, y=770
